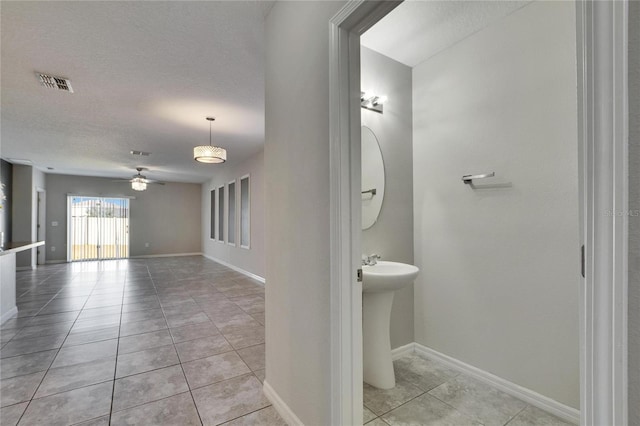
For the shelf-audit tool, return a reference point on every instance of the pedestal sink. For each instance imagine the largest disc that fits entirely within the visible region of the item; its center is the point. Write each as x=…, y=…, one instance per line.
x=380, y=281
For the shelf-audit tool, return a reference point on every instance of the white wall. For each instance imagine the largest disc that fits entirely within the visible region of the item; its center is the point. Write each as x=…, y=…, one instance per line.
x=296, y=157
x=165, y=216
x=634, y=206
x=392, y=234
x=252, y=259
x=499, y=280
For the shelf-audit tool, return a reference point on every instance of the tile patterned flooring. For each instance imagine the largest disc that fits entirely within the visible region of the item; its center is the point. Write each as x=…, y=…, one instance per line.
x=180, y=341
x=171, y=341
x=429, y=393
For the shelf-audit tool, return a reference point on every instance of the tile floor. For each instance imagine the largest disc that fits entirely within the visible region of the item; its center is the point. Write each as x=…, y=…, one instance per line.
x=429, y=393
x=171, y=341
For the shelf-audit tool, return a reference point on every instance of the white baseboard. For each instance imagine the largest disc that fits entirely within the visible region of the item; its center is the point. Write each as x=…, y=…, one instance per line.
x=545, y=403
x=151, y=256
x=283, y=409
x=236, y=268
x=407, y=349
x=25, y=268
x=11, y=312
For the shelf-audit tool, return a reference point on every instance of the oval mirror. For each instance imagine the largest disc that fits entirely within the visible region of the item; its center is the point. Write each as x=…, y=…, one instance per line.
x=372, y=178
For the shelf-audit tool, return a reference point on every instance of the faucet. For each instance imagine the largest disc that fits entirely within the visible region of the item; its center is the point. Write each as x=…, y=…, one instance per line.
x=370, y=260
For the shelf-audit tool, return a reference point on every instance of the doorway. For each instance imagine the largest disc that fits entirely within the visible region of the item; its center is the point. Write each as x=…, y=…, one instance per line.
x=602, y=77
x=98, y=228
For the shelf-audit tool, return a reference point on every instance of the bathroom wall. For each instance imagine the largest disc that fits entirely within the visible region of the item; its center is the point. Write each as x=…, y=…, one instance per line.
x=250, y=260
x=500, y=263
x=165, y=216
x=296, y=161
x=634, y=206
x=392, y=234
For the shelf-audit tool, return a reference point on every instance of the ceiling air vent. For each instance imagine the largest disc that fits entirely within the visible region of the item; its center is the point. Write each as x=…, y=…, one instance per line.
x=58, y=83
x=142, y=153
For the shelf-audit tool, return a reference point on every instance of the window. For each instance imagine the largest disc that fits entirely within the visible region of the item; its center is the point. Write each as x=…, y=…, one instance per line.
x=221, y=214
x=245, y=212
x=213, y=214
x=231, y=217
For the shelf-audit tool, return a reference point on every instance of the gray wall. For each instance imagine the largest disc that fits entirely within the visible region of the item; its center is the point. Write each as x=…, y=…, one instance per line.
x=167, y=217
x=499, y=280
x=6, y=177
x=22, y=210
x=392, y=235
x=634, y=206
x=251, y=260
x=296, y=157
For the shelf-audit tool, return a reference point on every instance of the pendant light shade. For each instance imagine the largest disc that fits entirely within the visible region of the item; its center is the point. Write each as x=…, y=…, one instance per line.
x=138, y=184
x=209, y=153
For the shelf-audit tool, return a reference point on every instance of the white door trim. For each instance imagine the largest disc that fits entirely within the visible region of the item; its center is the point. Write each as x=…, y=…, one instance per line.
x=344, y=121
x=603, y=115
x=603, y=135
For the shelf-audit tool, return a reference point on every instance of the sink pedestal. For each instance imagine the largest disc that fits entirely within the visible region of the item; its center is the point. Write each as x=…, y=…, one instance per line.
x=376, y=319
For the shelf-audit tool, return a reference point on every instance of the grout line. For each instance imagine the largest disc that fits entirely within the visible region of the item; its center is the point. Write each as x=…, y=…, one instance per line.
x=48, y=368
x=115, y=366
x=180, y=362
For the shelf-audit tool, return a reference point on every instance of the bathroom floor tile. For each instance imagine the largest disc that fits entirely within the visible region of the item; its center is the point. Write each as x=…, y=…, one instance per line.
x=479, y=401
x=532, y=416
x=427, y=410
x=194, y=331
x=381, y=401
x=421, y=372
x=85, y=353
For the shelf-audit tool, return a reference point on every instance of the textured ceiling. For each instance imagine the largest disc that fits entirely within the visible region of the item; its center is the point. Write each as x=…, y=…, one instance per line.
x=416, y=30
x=144, y=74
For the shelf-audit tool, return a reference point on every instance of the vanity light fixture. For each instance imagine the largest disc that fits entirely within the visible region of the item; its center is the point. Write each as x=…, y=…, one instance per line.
x=209, y=153
x=372, y=102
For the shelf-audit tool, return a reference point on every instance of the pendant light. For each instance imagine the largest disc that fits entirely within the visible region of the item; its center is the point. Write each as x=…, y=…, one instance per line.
x=209, y=153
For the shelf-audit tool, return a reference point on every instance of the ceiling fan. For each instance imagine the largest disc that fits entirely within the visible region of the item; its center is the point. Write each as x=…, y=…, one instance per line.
x=139, y=181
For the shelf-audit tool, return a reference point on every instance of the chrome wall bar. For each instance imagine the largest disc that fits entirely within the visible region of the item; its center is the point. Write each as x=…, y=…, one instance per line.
x=469, y=178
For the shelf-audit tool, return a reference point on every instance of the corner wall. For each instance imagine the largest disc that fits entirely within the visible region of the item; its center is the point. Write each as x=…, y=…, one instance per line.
x=165, y=216
x=500, y=263
x=392, y=234
x=296, y=158
x=252, y=259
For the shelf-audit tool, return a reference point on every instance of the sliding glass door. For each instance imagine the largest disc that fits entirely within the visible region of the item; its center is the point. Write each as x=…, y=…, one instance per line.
x=98, y=228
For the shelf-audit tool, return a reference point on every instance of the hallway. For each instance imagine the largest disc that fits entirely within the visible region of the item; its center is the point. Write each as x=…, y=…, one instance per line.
x=153, y=341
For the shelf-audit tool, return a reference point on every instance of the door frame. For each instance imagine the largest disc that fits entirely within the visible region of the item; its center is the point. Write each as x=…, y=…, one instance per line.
x=603, y=179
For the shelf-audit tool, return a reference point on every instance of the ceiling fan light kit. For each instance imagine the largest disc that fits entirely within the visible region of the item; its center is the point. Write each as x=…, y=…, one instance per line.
x=208, y=153
x=138, y=184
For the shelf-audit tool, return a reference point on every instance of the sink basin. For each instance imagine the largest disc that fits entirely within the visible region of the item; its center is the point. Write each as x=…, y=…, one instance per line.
x=387, y=276
x=379, y=284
